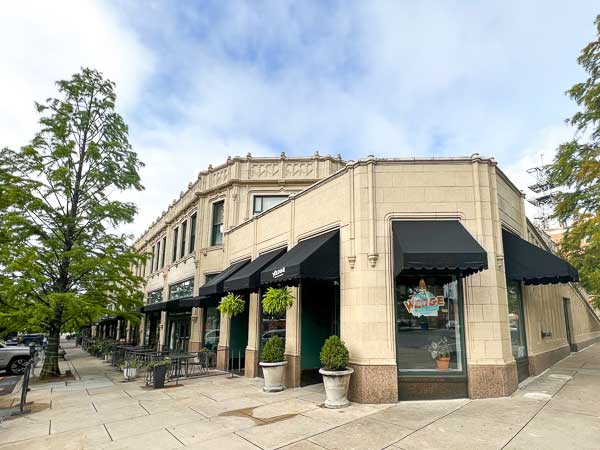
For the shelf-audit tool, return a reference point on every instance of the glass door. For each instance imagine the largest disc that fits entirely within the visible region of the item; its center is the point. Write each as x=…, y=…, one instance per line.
x=516, y=322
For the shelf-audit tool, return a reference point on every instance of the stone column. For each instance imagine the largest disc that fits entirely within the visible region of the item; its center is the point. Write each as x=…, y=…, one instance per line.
x=163, y=330
x=293, y=339
x=253, y=348
x=491, y=368
x=195, y=330
x=143, y=331
x=223, y=347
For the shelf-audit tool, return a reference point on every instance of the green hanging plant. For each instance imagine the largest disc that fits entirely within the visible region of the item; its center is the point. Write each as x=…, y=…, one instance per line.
x=277, y=300
x=231, y=305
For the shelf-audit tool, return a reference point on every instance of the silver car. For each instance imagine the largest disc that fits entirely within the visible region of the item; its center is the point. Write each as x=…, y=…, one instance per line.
x=14, y=358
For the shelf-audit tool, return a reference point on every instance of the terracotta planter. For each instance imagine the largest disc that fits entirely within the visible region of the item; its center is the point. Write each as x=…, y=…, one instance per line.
x=273, y=374
x=443, y=363
x=336, y=387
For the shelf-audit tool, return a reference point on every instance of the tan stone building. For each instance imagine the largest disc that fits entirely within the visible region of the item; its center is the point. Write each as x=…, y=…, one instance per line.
x=391, y=254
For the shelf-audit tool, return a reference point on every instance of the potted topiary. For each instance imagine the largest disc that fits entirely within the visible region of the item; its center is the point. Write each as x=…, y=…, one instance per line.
x=273, y=364
x=231, y=305
x=335, y=371
x=159, y=372
x=440, y=352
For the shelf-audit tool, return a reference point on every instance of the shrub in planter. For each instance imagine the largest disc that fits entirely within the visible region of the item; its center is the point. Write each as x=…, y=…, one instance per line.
x=231, y=305
x=159, y=372
x=130, y=369
x=273, y=364
x=335, y=371
x=277, y=300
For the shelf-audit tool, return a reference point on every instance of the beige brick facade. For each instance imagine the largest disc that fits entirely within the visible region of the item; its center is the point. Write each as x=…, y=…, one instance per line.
x=362, y=199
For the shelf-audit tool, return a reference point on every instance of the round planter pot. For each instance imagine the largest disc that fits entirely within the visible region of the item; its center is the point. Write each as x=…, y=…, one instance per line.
x=130, y=373
x=336, y=387
x=273, y=374
x=443, y=363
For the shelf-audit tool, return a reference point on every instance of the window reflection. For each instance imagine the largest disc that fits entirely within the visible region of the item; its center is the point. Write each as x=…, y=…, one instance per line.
x=212, y=319
x=515, y=319
x=428, y=322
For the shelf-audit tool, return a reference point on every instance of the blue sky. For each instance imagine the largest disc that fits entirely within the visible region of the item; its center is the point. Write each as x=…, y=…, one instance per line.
x=198, y=81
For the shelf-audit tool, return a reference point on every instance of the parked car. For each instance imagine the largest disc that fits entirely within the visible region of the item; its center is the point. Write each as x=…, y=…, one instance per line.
x=14, y=358
x=39, y=339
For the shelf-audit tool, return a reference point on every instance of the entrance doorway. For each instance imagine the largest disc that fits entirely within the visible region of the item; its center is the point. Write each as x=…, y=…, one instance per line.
x=151, y=330
x=516, y=321
x=569, y=323
x=238, y=339
x=320, y=318
x=179, y=332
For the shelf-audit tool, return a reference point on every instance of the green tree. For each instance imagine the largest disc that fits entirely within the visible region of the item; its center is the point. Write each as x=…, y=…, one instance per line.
x=576, y=167
x=62, y=263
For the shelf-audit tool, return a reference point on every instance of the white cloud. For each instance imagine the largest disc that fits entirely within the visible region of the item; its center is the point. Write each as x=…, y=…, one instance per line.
x=41, y=42
x=389, y=78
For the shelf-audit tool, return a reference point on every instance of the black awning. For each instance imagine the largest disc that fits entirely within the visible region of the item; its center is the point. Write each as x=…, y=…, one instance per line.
x=436, y=245
x=160, y=306
x=248, y=278
x=215, y=285
x=531, y=264
x=317, y=258
x=198, y=302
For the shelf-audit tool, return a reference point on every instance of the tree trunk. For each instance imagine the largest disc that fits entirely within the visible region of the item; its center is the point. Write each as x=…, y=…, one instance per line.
x=50, y=367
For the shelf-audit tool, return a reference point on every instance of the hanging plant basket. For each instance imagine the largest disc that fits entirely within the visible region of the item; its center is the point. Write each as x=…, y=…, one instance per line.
x=231, y=305
x=277, y=300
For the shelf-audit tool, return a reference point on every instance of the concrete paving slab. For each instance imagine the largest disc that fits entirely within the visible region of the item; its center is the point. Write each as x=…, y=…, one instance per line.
x=458, y=432
x=558, y=430
x=284, y=407
x=302, y=445
x=213, y=408
x=228, y=441
x=26, y=431
x=85, y=438
x=155, y=440
x=280, y=434
x=362, y=434
x=145, y=424
x=506, y=410
x=335, y=417
x=415, y=415
x=199, y=431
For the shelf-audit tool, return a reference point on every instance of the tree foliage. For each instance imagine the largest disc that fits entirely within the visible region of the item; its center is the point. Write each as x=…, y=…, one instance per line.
x=61, y=261
x=576, y=167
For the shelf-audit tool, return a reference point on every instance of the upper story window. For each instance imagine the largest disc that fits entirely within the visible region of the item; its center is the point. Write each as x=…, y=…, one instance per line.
x=182, y=290
x=183, y=236
x=164, y=250
x=216, y=237
x=152, y=260
x=155, y=296
x=264, y=202
x=175, y=237
x=193, y=233
x=157, y=256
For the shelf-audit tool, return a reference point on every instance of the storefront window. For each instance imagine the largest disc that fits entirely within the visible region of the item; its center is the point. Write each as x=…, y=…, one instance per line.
x=271, y=325
x=181, y=290
x=515, y=319
x=155, y=296
x=429, y=323
x=212, y=322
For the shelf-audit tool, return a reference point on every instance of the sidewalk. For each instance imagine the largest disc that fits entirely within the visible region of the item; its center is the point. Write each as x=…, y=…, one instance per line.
x=558, y=410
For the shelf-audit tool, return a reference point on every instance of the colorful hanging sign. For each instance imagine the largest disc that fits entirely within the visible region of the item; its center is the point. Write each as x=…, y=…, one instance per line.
x=423, y=302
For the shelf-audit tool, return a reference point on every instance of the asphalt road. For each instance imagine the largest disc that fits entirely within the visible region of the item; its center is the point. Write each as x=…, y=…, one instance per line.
x=7, y=382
